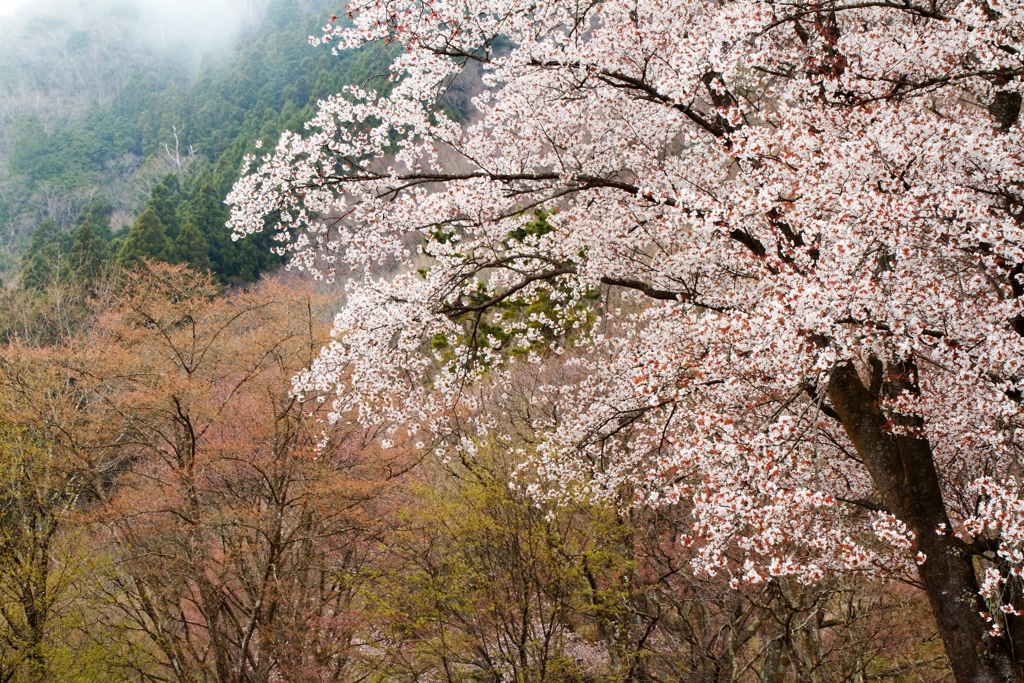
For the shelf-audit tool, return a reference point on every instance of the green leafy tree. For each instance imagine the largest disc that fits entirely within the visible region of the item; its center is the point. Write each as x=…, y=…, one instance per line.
x=52, y=627
x=146, y=239
x=33, y=499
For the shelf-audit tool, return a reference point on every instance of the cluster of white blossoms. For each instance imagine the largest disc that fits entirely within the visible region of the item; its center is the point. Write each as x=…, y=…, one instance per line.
x=780, y=190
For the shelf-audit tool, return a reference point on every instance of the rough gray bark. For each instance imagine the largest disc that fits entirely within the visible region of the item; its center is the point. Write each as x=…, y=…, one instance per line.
x=903, y=470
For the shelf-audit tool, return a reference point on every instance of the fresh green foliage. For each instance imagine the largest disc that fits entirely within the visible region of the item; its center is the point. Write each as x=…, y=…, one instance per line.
x=531, y=322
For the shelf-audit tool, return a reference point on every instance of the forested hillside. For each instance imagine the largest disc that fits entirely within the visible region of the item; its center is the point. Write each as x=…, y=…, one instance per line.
x=105, y=113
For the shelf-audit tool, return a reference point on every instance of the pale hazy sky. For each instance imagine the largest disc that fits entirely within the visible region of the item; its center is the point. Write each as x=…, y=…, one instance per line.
x=8, y=6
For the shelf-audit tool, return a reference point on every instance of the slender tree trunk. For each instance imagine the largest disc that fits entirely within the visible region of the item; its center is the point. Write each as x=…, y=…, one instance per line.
x=775, y=663
x=903, y=470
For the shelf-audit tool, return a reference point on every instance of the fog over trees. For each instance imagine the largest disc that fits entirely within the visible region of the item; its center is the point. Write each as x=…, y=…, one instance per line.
x=102, y=101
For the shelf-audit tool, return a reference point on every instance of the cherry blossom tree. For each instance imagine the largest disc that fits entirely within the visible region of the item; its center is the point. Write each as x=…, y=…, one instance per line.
x=804, y=219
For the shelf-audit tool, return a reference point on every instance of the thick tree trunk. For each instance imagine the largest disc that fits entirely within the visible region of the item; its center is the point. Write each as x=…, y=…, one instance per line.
x=904, y=472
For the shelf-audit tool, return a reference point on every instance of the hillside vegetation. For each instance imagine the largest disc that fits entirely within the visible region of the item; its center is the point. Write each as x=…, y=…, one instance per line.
x=103, y=116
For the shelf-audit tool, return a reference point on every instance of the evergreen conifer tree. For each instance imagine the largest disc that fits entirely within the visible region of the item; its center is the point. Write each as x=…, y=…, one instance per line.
x=190, y=246
x=207, y=212
x=97, y=213
x=146, y=239
x=88, y=253
x=241, y=261
x=44, y=261
x=164, y=200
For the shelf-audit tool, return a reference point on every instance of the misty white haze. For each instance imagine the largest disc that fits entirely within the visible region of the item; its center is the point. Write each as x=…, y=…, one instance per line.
x=194, y=24
x=9, y=6
x=65, y=60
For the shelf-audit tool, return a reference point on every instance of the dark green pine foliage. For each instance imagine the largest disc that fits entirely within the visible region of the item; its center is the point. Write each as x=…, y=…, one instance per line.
x=190, y=247
x=88, y=254
x=207, y=212
x=164, y=200
x=97, y=214
x=147, y=238
x=232, y=261
x=46, y=259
